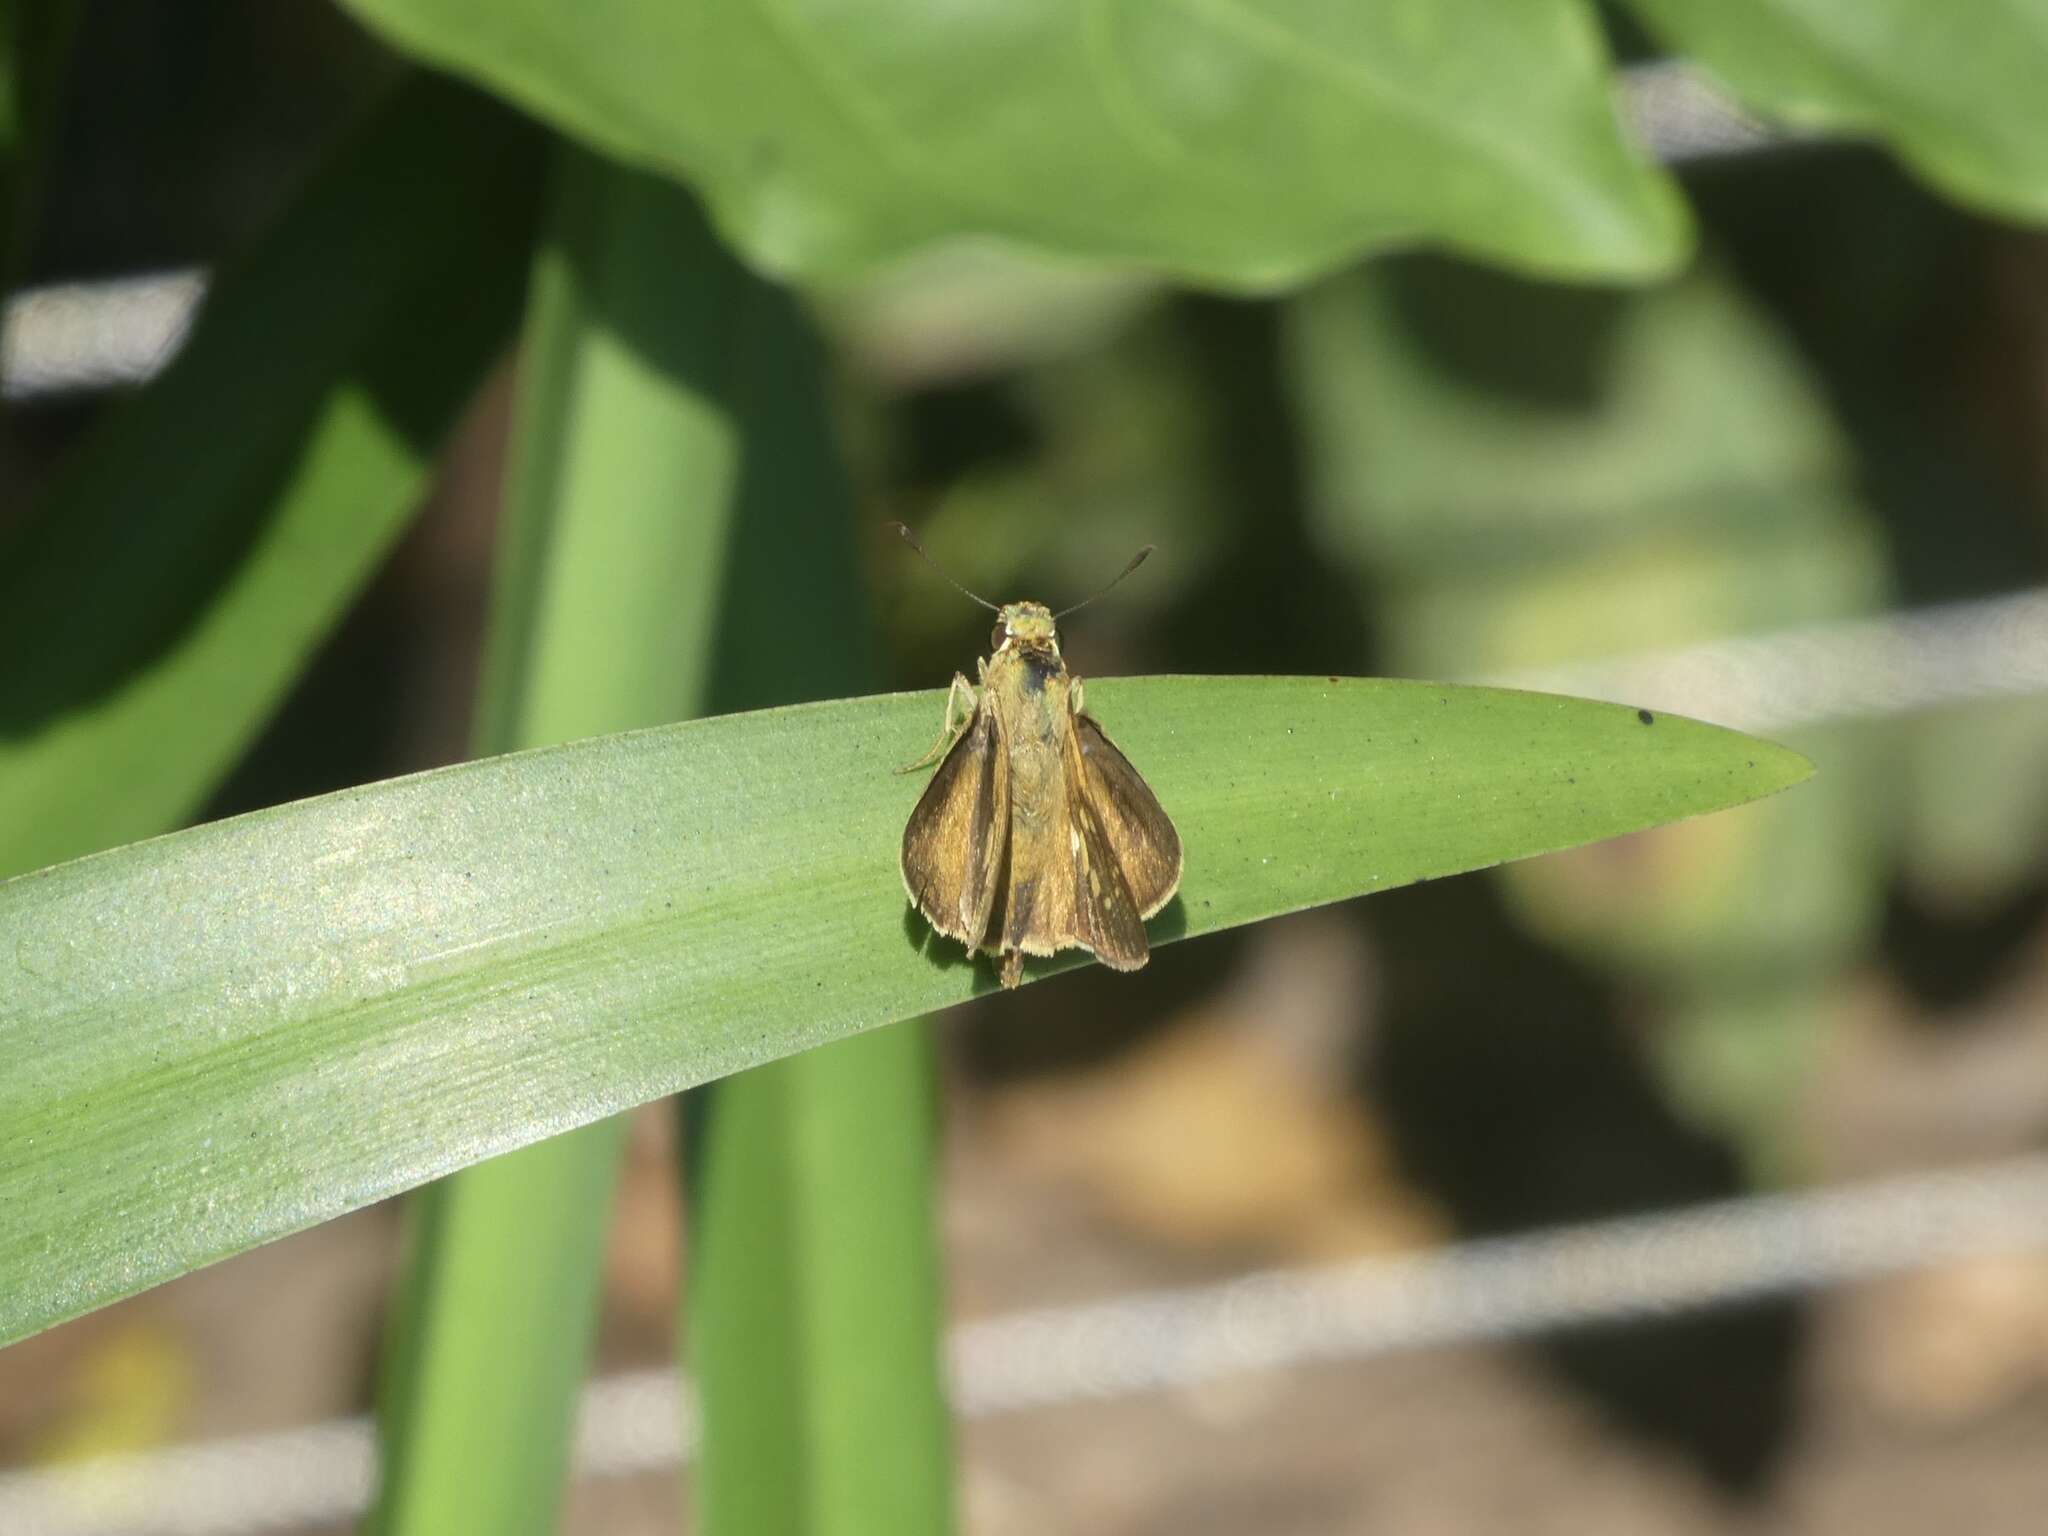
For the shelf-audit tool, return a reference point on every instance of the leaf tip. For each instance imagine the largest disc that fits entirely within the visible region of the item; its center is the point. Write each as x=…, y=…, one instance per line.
x=1777, y=768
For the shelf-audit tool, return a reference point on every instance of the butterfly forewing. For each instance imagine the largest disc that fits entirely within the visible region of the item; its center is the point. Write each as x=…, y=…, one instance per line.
x=953, y=843
x=1136, y=829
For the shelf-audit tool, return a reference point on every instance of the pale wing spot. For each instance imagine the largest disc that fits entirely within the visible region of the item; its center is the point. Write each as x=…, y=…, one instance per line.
x=1073, y=840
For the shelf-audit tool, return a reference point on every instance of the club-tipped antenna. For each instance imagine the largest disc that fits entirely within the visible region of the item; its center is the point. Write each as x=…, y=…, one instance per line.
x=1136, y=560
x=911, y=539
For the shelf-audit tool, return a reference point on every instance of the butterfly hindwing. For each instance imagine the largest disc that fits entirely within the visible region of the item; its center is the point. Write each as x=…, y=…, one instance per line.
x=1106, y=914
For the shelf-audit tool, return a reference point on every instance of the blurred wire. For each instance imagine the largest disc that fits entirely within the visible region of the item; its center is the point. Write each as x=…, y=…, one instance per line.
x=1818, y=674
x=254, y=1483
x=1678, y=114
x=1478, y=1292
x=1500, y=1288
x=74, y=338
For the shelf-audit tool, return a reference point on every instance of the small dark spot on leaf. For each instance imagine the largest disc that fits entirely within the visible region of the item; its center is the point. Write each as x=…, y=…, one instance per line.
x=1646, y=717
x=1333, y=679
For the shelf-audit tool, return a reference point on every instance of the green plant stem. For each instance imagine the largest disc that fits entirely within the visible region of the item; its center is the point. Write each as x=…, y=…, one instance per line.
x=812, y=1315
x=491, y=1338
x=598, y=624
x=669, y=426
x=814, y=1301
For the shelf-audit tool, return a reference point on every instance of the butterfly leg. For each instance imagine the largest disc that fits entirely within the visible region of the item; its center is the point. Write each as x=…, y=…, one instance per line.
x=949, y=732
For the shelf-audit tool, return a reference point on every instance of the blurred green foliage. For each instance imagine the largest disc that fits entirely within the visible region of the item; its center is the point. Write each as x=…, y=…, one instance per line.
x=1641, y=471
x=202, y=541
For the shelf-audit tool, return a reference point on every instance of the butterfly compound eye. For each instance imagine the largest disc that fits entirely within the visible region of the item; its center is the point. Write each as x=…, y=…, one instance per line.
x=996, y=637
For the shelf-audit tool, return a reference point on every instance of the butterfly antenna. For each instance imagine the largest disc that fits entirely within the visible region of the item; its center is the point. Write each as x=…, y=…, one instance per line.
x=1136, y=560
x=911, y=539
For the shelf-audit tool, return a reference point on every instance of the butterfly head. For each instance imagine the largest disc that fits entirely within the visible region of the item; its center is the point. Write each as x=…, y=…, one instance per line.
x=1028, y=626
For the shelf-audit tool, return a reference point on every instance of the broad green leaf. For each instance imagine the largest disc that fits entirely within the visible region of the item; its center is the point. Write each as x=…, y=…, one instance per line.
x=1237, y=142
x=1957, y=91
x=215, y=1038
x=196, y=551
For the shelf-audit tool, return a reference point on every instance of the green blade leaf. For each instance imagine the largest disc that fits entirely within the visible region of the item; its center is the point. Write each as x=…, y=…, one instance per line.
x=224, y=1035
x=1959, y=93
x=197, y=549
x=1236, y=142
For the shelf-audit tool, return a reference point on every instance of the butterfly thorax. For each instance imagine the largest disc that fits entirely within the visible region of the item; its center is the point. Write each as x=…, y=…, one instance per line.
x=1027, y=670
x=1030, y=681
